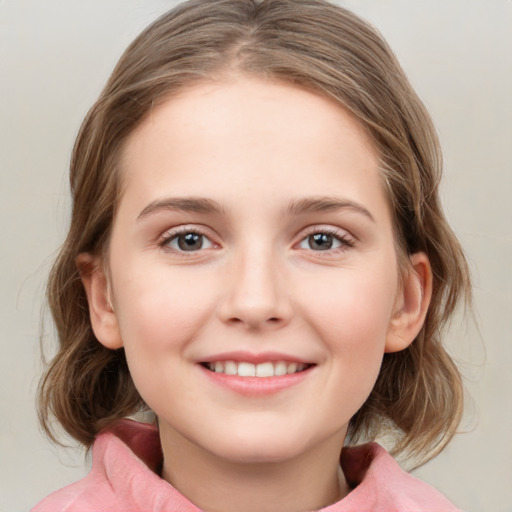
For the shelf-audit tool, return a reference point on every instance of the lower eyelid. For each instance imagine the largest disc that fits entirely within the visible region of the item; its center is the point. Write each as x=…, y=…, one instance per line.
x=343, y=246
x=171, y=236
x=207, y=243
x=342, y=236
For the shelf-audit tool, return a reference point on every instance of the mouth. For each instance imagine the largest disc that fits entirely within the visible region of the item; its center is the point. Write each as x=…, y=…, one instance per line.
x=264, y=369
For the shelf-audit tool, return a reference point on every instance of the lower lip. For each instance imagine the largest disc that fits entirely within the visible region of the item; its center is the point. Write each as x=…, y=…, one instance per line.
x=257, y=386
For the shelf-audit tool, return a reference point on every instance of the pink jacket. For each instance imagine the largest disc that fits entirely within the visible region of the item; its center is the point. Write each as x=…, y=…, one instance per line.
x=123, y=479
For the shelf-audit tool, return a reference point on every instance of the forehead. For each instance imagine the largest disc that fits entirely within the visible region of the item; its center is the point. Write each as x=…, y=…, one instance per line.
x=239, y=135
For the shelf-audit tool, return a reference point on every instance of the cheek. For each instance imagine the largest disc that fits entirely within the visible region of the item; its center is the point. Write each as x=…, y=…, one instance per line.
x=160, y=313
x=353, y=326
x=159, y=304
x=356, y=306
x=352, y=319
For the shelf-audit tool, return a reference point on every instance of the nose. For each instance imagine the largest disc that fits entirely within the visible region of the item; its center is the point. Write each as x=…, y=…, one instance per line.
x=256, y=297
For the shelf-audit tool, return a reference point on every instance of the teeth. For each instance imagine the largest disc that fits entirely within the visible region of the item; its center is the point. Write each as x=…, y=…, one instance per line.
x=246, y=370
x=280, y=369
x=230, y=368
x=268, y=369
x=291, y=368
x=265, y=370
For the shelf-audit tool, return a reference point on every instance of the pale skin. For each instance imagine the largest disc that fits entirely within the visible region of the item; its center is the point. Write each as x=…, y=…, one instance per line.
x=213, y=256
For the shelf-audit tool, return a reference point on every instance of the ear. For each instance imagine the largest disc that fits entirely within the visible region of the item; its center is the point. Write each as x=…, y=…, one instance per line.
x=97, y=288
x=411, y=305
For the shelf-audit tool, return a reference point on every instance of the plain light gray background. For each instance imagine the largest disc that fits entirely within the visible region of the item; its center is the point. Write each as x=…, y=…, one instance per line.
x=54, y=57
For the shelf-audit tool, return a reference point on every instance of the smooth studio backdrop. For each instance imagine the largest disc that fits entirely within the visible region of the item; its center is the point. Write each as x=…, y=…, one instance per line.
x=55, y=56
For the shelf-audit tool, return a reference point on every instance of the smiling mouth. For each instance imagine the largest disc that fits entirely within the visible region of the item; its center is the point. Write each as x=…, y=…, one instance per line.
x=266, y=369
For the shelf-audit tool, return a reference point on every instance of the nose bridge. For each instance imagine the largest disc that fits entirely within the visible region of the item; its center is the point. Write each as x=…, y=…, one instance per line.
x=256, y=295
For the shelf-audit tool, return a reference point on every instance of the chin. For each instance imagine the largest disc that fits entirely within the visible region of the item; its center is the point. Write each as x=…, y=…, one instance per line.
x=260, y=447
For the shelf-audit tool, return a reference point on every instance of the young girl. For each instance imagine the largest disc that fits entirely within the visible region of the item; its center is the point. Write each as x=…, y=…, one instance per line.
x=257, y=254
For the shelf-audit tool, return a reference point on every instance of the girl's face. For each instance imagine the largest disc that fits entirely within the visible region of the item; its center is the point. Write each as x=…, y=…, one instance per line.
x=253, y=272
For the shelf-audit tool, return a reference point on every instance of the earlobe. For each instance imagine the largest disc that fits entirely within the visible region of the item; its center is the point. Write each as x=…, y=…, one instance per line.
x=97, y=288
x=412, y=304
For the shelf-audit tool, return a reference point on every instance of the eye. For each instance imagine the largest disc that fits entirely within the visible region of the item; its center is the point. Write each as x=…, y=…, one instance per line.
x=325, y=241
x=187, y=241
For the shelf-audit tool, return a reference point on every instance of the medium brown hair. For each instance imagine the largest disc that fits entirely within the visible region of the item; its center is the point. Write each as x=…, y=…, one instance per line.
x=311, y=44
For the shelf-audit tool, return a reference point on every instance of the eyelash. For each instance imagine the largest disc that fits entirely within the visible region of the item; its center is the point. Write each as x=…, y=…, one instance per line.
x=343, y=237
x=175, y=233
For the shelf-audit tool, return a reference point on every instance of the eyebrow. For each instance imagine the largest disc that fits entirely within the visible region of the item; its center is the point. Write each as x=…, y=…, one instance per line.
x=297, y=207
x=326, y=203
x=184, y=204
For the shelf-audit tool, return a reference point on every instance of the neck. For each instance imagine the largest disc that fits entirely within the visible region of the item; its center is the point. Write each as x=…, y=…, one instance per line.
x=310, y=481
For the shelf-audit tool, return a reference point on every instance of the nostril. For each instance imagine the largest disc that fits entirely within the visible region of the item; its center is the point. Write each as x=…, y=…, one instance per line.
x=254, y=311
x=236, y=320
x=254, y=323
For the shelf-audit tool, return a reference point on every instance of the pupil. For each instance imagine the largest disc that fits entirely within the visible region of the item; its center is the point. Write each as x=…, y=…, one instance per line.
x=320, y=241
x=190, y=242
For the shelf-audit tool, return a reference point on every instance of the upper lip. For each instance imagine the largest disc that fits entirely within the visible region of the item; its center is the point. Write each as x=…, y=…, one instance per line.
x=254, y=358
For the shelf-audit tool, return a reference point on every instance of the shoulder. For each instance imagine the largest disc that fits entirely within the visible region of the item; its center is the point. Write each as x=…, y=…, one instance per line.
x=121, y=474
x=380, y=485
x=96, y=491
x=81, y=496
